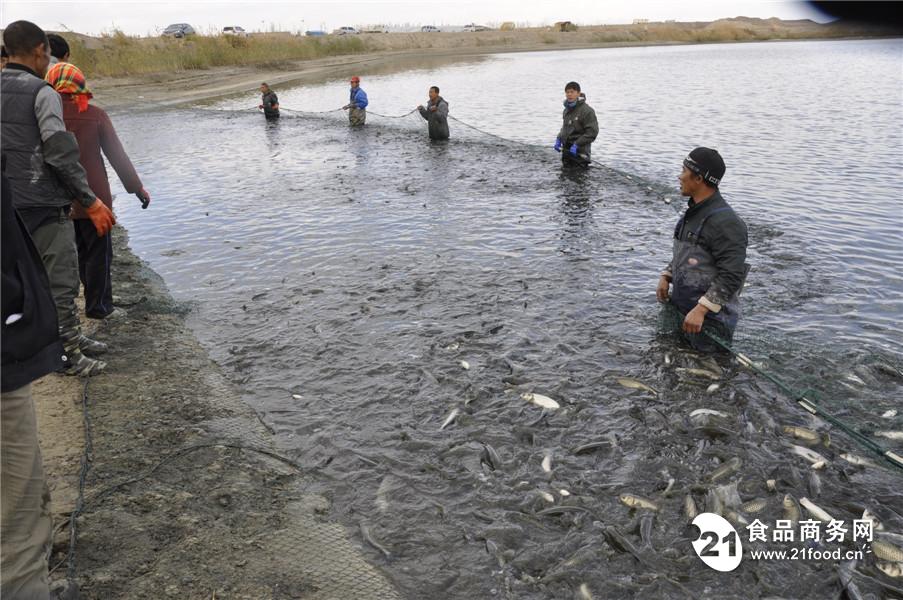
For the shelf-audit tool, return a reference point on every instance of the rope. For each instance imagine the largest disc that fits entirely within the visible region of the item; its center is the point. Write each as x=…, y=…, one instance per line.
x=376, y=114
x=504, y=139
x=809, y=404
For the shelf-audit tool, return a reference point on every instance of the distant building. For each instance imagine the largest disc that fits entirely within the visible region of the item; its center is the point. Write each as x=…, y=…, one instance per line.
x=507, y=26
x=640, y=21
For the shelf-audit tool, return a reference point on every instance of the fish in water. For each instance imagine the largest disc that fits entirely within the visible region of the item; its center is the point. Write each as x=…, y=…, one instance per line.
x=585, y=594
x=816, y=511
x=638, y=502
x=700, y=373
x=857, y=460
x=814, y=484
x=491, y=457
x=887, y=551
x=553, y=511
x=668, y=359
x=709, y=411
x=876, y=524
x=713, y=388
x=635, y=385
x=464, y=365
x=713, y=503
x=382, y=495
x=889, y=414
x=564, y=493
x=449, y=419
x=891, y=569
x=728, y=468
x=297, y=396
x=890, y=435
x=690, y=509
x=792, y=511
x=365, y=532
x=755, y=505
x=593, y=446
x=801, y=433
x=547, y=496
x=541, y=401
x=547, y=462
x=817, y=460
x=771, y=485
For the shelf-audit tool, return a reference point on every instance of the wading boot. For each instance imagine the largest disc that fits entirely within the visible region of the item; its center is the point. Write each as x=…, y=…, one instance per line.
x=77, y=363
x=91, y=347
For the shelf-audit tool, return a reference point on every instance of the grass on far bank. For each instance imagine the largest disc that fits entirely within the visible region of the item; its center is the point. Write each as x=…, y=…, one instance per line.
x=123, y=55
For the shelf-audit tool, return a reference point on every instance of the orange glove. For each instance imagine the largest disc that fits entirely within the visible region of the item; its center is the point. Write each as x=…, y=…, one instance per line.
x=101, y=216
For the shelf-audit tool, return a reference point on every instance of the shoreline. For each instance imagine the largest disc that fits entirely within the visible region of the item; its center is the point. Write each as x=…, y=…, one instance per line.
x=167, y=90
x=186, y=494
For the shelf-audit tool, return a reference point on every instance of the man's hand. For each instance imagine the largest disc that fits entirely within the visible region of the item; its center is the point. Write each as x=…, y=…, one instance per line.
x=144, y=196
x=573, y=150
x=260, y=106
x=419, y=107
x=434, y=108
x=661, y=292
x=693, y=322
x=346, y=107
x=101, y=216
x=557, y=145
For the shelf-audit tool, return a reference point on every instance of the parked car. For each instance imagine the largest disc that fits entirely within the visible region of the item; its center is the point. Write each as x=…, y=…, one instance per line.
x=314, y=32
x=345, y=31
x=375, y=29
x=475, y=27
x=178, y=30
x=235, y=30
x=430, y=29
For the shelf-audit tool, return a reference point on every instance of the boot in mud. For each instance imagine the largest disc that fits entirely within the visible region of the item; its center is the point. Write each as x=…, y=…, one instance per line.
x=77, y=363
x=91, y=347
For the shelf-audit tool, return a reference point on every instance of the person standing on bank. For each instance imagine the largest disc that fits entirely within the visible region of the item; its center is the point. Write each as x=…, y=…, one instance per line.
x=357, y=106
x=269, y=103
x=95, y=133
x=45, y=176
x=436, y=115
x=579, y=130
x=59, y=48
x=708, y=267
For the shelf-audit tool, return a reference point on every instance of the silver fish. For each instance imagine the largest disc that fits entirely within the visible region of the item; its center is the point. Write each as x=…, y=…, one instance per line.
x=728, y=468
x=637, y=502
x=635, y=385
x=889, y=414
x=449, y=419
x=541, y=401
x=792, y=511
x=713, y=503
x=592, y=446
x=857, y=460
x=755, y=505
x=771, y=485
x=690, y=509
x=713, y=388
x=815, y=511
x=382, y=495
x=668, y=359
x=547, y=496
x=464, y=365
x=810, y=455
x=802, y=433
x=547, y=462
x=891, y=569
x=887, y=551
x=365, y=532
x=876, y=524
x=585, y=594
x=700, y=373
x=709, y=411
x=735, y=517
x=814, y=484
x=890, y=435
x=564, y=493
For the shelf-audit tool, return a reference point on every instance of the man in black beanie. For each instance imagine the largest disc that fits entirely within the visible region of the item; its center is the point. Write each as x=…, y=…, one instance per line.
x=708, y=268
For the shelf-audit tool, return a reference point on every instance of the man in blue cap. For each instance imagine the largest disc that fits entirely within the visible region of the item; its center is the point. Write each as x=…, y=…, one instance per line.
x=708, y=266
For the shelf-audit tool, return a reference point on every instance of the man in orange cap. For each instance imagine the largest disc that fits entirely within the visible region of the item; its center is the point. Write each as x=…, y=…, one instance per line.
x=357, y=107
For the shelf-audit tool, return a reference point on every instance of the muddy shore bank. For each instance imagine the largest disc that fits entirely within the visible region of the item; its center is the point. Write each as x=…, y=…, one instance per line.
x=185, y=495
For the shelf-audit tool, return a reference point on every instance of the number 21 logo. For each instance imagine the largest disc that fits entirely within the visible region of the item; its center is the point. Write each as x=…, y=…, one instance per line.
x=718, y=544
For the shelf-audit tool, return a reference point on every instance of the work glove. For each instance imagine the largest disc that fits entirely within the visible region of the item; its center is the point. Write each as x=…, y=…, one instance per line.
x=557, y=145
x=101, y=216
x=144, y=196
x=260, y=106
x=573, y=150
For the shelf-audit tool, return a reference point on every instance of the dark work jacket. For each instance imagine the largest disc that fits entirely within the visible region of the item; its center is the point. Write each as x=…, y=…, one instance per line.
x=31, y=346
x=270, y=105
x=580, y=127
x=724, y=237
x=437, y=119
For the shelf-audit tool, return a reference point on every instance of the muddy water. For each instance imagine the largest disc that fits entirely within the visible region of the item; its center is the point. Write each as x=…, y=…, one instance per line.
x=357, y=269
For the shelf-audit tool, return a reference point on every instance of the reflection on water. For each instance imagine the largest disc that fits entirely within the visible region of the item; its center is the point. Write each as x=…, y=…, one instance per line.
x=359, y=268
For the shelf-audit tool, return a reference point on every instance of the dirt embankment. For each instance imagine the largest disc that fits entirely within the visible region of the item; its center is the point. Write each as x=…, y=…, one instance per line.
x=186, y=496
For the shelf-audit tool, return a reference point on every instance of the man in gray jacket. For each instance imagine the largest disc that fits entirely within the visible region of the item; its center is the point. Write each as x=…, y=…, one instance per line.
x=579, y=130
x=436, y=115
x=45, y=177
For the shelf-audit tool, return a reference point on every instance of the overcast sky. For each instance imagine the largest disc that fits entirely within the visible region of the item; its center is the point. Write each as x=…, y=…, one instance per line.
x=142, y=17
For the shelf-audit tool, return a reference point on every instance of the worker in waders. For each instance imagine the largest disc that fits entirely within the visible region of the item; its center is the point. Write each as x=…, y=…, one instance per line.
x=357, y=106
x=269, y=103
x=579, y=130
x=708, y=268
x=436, y=114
